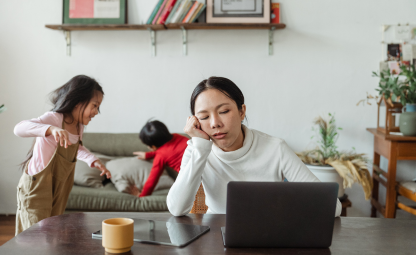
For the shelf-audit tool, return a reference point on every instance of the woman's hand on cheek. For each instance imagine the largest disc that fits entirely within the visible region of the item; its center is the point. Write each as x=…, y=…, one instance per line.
x=193, y=128
x=100, y=166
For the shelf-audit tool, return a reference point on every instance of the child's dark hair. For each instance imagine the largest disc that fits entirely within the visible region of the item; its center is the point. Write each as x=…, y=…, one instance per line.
x=155, y=133
x=78, y=90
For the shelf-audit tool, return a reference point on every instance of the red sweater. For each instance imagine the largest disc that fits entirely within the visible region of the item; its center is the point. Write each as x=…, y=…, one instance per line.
x=170, y=154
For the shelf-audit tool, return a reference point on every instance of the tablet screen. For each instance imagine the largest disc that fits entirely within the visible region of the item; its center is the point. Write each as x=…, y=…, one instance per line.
x=163, y=232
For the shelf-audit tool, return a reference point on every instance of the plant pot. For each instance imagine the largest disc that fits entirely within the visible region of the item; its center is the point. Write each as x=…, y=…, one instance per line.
x=408, y=123
x=409, y=108
x=328, y=174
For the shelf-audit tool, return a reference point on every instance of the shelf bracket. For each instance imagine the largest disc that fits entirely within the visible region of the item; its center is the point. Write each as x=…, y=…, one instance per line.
x=271, y=40
x=67, y=35
x=152, y=41
x=184, y=41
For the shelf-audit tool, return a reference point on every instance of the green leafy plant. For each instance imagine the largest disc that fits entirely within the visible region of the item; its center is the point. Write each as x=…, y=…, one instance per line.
x=393, y=89
x=2, y=108
x=389, y=85
x=407, y=90
x=351, y=166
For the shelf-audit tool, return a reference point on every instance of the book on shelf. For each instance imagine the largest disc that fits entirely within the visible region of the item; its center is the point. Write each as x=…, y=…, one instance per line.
x=190, y=12
x=176, y=11
x=198, y=12
x=186, y=10
x=166, y=11
x=172, y=13
x=179, y=11
x=154, y=12
x=159, y=12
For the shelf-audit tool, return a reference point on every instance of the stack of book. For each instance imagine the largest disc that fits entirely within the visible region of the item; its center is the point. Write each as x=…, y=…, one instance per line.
x=176, y=11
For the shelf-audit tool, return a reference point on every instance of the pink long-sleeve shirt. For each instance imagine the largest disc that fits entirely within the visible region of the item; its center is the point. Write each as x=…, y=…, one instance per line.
x=45, y=146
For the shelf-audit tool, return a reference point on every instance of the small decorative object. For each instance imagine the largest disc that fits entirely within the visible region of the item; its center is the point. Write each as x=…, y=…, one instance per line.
x=330, y=165
x=275, y=15
x=403, y=33
x=393, y=52
x=386, y=115
x=94, y=12
x=242, y=11
x=2, y=108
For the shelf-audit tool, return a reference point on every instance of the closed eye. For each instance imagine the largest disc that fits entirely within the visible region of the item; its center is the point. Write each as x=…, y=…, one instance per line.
x=224, y=112
x=204, y=118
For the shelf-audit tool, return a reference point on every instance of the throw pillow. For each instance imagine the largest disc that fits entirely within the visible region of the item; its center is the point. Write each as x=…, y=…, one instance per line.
x=129, y=171
x=90, y=177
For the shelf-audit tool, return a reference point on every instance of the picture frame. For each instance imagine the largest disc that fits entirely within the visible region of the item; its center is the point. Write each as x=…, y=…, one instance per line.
x=94, y=12
x=227, y=11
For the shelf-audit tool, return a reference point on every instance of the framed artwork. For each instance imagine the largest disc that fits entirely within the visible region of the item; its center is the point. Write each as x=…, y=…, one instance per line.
x=94, y=12
x=238, y=11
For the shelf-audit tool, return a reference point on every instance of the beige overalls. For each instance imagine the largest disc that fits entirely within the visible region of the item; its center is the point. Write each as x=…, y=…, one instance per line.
x=46, y=193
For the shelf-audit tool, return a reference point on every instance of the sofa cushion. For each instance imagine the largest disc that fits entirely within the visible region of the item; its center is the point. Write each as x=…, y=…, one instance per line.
x=122, y=145
x=129, y=171
x=90, y=177
x=410, y=185
x=109, y=199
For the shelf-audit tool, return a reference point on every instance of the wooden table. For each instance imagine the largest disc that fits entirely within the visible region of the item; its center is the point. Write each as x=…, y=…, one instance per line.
x=71, y=234
x=393, y=148
x=345, y=204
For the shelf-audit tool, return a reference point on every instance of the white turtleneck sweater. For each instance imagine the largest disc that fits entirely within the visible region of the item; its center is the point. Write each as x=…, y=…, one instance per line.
x=262, y=158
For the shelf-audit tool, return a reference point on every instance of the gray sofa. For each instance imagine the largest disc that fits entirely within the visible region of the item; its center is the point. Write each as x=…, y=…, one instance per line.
x=108, y=198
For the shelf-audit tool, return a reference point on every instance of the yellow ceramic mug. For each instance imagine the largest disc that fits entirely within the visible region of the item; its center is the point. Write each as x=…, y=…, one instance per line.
x=118, y=235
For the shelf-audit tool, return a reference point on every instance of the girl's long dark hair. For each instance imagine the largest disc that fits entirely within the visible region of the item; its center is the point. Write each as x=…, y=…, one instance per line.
x=77, y=91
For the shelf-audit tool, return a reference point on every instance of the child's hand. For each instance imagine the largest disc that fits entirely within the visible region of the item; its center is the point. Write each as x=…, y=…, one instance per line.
x=193, y=128
x=61, y=135
x=135, y=191
x=100, y=166
x=140, y=155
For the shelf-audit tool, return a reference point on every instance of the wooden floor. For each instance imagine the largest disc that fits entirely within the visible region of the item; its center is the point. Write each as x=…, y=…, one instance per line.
x=7, y=225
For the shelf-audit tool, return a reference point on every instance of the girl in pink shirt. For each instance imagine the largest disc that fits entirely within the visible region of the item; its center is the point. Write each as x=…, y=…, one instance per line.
x=48, y=171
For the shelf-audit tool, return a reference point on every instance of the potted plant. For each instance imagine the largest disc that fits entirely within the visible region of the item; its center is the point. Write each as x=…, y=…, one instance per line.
x=407, y=94
x=400, y=95
x=330, y=165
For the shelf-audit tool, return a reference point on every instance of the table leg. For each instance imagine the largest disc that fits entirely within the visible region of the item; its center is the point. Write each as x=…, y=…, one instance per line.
x=374, y=193
x=391, y=182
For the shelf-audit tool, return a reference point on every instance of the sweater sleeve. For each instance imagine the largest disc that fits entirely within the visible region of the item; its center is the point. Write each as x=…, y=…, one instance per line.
x=295, y=170
x=37, y=127
x=150, y=154
x=152, y=180
x=182, y=193
x=85, y=155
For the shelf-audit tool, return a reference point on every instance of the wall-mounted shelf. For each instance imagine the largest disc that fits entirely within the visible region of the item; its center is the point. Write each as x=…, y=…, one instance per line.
x=67, y=28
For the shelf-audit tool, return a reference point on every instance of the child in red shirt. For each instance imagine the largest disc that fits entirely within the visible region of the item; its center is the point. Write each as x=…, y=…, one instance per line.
x=166, y=149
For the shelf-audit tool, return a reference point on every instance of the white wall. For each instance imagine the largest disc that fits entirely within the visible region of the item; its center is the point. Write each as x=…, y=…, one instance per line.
x=322, y=63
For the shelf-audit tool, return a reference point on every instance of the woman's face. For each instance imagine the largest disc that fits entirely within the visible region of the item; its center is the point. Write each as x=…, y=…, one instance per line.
x=220, y=119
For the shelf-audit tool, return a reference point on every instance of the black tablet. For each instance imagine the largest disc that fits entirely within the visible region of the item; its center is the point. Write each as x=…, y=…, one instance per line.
x=163, y=232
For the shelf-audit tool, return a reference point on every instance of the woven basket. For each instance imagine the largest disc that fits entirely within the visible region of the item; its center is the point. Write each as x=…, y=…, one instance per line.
x=199, y=206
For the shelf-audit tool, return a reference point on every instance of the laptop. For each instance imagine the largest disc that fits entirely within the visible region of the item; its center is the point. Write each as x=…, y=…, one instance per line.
x=280, y=214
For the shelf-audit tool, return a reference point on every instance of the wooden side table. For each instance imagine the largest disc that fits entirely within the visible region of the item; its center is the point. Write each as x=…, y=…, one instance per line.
x=345, y=204
x=393, y=148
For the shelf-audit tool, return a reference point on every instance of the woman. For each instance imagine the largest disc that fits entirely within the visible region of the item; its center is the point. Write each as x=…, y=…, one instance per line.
x=222, y=149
